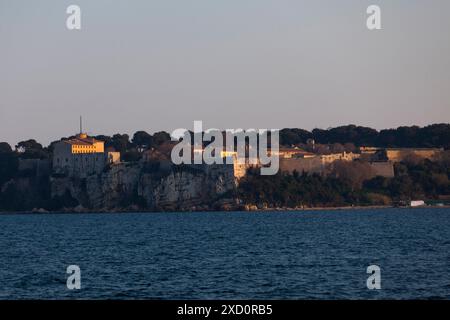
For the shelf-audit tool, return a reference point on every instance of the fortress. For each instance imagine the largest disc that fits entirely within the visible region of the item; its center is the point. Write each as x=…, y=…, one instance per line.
x=82, y=156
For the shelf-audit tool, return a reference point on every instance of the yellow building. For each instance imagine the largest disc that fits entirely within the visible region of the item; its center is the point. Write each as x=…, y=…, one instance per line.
x=82, y=156
x=83, y=144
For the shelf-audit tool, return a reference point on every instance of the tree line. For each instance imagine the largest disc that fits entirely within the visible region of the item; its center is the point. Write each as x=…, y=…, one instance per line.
x=436, y=135
x=432, y=136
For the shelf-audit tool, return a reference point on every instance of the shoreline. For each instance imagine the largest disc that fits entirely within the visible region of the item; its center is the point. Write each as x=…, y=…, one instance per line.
x=267, y=210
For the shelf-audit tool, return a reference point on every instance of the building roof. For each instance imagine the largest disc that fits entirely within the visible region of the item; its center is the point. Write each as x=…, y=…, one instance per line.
x=84, y=140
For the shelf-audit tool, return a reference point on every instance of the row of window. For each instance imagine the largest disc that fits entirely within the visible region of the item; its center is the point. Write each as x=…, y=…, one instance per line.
x=83, y=146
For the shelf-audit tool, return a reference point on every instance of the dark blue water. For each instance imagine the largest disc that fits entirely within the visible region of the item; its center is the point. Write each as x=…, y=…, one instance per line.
x=291, y=255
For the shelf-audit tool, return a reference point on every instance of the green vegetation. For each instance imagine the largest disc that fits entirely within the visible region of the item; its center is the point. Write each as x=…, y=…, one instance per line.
x=436, y=135
x=8, y=163
x=423, y=180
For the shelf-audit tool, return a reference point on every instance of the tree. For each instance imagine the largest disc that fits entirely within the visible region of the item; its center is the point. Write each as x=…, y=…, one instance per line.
x=161, y=137
x=142, y=140
x=131, y=156
x=290, y=137
x=121, y=142
x=30, y=149
x=8, y=163
x=5, y=147
x=28, y=145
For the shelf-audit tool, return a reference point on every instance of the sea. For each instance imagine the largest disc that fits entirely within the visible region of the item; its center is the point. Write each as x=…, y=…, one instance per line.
x=227, y=255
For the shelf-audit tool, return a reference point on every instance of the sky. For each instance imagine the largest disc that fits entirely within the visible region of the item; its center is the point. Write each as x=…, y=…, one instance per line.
x=161, y=64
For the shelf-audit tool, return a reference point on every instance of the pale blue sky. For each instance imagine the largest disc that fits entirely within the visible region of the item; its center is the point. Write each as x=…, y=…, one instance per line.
x=161, y=64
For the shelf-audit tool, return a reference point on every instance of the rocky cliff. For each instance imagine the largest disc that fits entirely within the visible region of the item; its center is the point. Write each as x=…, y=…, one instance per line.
x=151, y=187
